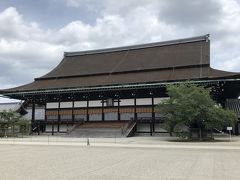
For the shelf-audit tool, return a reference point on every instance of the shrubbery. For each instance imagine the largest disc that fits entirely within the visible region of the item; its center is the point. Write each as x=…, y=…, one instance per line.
x=12, y=124
x=191, y=107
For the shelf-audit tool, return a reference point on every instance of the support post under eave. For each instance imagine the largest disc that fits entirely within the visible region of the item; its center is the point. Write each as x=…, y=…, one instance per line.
x=73, y=114
x=153, y=116
x=33, y=116
x=135, y=112
x=52, y=127
x=119, y=115
x=45, y=117
x=87, y=118
x=59, y=118
x=103, y=115
x=237, y=128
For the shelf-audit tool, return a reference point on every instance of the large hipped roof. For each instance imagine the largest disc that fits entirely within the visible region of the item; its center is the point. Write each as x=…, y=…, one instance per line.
x=178, y=60
x=178, y=53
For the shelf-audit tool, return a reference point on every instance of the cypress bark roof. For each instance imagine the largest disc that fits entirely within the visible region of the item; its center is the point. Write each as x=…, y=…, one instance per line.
x=185, y=52
x=184, y=59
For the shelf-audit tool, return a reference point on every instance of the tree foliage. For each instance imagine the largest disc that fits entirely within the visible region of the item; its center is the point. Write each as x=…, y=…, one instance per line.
x=10, y=121
x=190, y=106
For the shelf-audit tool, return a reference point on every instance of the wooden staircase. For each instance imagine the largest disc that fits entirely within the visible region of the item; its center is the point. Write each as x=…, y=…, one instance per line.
x=109, y=129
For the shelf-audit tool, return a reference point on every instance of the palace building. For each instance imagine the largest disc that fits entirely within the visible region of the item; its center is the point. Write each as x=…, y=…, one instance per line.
x=120, y=87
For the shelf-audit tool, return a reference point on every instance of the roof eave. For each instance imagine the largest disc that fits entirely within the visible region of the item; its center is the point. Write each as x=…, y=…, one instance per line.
x=114, y=87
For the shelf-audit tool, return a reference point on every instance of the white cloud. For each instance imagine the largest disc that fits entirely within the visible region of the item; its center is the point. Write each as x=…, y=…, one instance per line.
x=24, y=49
x=13, y=26
x=73, y=3
x=161, y=20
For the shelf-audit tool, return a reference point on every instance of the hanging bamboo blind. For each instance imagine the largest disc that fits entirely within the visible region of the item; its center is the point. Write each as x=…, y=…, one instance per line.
x=95, y=111
x=65, y=112
x=80, y=112
x=99, y=111
x=126, y=110
x=51, y=113
x=109, y=110
x=144, y=110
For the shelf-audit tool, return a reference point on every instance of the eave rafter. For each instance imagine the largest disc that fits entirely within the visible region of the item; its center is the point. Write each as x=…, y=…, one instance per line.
x=114, y=87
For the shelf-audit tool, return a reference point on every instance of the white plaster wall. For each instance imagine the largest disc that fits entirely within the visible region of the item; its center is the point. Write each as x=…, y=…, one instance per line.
x=66, y=104
x=39, y=114
x=80, y=104
x=52, y=105
x=95, y=103
x=144, y=101
x=126, y=102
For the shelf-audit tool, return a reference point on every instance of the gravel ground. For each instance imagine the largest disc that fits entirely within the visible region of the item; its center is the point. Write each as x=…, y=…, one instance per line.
x=35, y=162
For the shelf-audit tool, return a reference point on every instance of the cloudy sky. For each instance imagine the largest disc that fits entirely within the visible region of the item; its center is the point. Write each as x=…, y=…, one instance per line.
x=34, y=34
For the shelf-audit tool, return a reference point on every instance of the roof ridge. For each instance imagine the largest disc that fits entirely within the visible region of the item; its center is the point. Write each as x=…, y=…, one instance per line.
x=139, y=46
x=10, y=103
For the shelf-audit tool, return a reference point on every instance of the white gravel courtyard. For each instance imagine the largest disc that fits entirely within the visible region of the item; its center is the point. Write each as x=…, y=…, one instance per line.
x=35, y=162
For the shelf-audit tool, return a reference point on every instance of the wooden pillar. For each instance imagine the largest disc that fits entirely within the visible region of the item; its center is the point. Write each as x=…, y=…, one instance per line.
x=103, y=117
x=87, y=110
x=73, y=116
x=45, y=118
x=153, y=116
x=33, y=115
x=135, y=112
x=135, y=108
x=52, y=127
x=119, y=115
x=59, y=117
x=237, y=129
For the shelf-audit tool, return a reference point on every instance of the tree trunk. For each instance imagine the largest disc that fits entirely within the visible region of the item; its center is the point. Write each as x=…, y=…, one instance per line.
x=200, y=134
x=13, y=128
x=211, y=134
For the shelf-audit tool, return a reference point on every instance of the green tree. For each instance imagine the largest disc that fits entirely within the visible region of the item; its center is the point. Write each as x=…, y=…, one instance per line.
x=11, y=120
x=190, y=107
